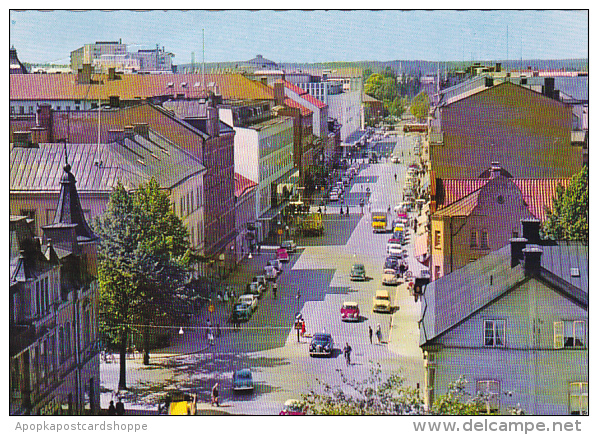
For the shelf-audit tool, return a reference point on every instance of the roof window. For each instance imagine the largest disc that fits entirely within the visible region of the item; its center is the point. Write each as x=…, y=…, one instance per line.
x=574, y=272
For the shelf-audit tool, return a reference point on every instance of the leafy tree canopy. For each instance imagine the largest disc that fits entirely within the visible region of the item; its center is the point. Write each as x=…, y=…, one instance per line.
x=568, y=219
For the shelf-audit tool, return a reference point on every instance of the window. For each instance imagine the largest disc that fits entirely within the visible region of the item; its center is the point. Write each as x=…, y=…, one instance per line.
x=57, y=107
x=12, y=110
x=67, y=339
x=437, y=240
x=484, y=239
x=61, y=343
x=436, y=272
x=569, y=334
x=494, y=333
x=473, y=239
x=21, y=110
x=490, y=392
x=515, y=234
x=578, y=398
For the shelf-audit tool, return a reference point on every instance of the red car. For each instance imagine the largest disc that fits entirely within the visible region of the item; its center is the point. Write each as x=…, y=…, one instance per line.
x=282, y=255
x=292, y=407
x=350, y=312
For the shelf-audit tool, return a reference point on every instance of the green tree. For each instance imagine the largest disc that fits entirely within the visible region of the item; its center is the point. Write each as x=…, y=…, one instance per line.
x=388, y=395
x=373, y=84
x=396, y=107
x=420, y=106
x=141, y=271
x=568, y=219
x=366, y=74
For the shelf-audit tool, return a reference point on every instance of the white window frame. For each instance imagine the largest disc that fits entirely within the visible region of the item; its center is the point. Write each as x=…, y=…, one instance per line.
x=498, y=325
x=560, y=335
x=577, y=392
x=485, y=386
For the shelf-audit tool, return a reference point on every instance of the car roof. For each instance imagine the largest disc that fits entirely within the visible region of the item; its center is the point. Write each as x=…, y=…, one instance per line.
x=321, y=335
x=350, y=304
x=358, y=265
x=382, y=293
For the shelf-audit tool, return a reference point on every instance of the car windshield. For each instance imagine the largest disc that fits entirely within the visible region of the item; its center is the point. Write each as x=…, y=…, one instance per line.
x=349, y=306
x=322, y=338
x=244, y=375
x=382, y=298
x=358, y=267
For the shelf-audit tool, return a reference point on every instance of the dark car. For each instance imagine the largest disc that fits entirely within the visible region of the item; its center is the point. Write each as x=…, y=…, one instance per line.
x=321, y=344
x=391, y=263
x=358, y=272
x=241, y=312
x=242, y=380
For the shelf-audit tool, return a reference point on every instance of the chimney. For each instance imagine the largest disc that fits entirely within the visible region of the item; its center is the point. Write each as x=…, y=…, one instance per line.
x=548, y=88
x=39, y=135
x=489, y=82
x=213, y=122
x=22, y=139
x=116, y=135
x=279, y=93
x=498, y=67
x=114, y=101
x=517, y=246
x=43, y=116
x=112, y=73
x=141, y=128
x=84, y=76
x=494, y=169
x=129, y=131
x=532, y=260
x=531, y=230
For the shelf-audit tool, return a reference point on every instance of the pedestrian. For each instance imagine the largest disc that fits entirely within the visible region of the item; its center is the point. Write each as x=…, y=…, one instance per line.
x=388, y=209
x=395, y=177
x=111, y=408
x=217, y=330
x=347, y=210
x=379, y=333
x=342, y=212
x=209, y=323
x=274, y=289
x=298, y=294
x=120, y=407
x=320, y=210
x=371, y=332
x=210, y=338
x=347, y=352
x=215, y=395
x=302, y=327
x=259, y=248
x=324, y=209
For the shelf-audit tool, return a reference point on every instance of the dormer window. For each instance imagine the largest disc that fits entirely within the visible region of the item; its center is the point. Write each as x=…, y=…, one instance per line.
x=170, y=84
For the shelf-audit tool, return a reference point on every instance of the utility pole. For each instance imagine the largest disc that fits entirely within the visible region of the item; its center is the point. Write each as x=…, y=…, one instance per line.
x=203, y=60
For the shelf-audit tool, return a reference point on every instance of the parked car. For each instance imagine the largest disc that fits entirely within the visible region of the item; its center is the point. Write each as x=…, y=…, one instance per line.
x=250, y=300
x=290, y=246
x=292, y=407
x=391, y=263
x=262, y=280
x=242, y=311
x=395, y=249
x=395, y=159
x=256, y=289
x=350, y=311
x=271, y=273
x=321, y=344
x=358, y=272
x=333, y=196
x=389, y=277
x=381, y=301
x=282, y=255
x=242, y=380
x=346, y=181
x=276, y=264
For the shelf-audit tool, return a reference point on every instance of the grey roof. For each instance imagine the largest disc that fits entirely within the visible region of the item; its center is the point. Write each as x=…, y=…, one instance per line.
x=453, y=298
x=98, y=168
x=187, y=108
x=574, y=87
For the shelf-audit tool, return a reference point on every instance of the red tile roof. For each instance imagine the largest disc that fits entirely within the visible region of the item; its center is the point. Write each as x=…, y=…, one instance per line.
x=303, y=94
x=242, y=185
x=132, y=86
x=291, y=103
x=537, y=193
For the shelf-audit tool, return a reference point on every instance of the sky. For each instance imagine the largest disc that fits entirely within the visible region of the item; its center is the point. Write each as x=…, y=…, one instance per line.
x=307, y=37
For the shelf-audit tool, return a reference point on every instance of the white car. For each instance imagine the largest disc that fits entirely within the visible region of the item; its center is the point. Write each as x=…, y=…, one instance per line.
x=395, y=249
x=271, y=272
x=390, y=277
x=395, y=159
x=333, y=196
x=250, y=300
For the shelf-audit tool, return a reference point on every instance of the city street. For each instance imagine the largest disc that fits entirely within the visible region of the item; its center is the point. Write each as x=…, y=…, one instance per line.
x=319, y=271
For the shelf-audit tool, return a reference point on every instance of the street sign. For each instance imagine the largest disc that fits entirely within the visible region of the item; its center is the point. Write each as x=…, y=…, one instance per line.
x=211, y=308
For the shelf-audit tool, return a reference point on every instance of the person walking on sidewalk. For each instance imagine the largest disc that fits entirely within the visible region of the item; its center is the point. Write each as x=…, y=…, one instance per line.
x=120, y=407
x=347, y=210
x=111, y=408
x=379, y=333
x=371, y=332
x=347, y=351
x=274, y=289
x=215, y=395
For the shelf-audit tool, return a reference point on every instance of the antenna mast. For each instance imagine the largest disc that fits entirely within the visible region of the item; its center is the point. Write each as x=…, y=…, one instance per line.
x=203, y=60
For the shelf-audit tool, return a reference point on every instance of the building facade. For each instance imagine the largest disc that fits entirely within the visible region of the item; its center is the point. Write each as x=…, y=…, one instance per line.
x=514, y=324
x=528, y=132
x=54, y=352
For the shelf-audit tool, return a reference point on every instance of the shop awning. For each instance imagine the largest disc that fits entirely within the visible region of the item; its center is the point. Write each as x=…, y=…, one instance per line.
x=421, y=249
